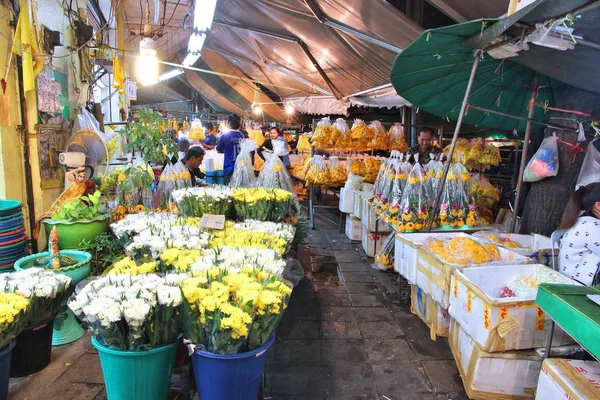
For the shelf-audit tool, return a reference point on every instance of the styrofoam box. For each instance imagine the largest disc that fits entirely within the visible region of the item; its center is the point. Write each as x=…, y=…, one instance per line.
x=433, y=274
x=528, y=244
x=500, y=324
x=358, y=205
x=371, y=220
x=406, y=249
x=371, y=242
x=508, y=375
x=430, y=312
x=569, y=380
x=353, y=228
x=346, y=200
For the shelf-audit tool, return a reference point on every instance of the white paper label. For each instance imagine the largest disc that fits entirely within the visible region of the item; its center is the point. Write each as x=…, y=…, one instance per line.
x=212, y=221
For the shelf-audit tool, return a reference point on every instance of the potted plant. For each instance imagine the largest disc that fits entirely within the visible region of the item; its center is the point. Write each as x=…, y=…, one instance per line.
x=230, y=318
x=135, y=327
x=78, y=221
x=148, y=137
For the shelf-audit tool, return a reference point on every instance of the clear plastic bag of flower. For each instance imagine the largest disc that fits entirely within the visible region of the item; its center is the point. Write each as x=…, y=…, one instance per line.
x=463, y=250
x=457, y=208
x=397, y=138
x=384, y=258
x=322, y=134
x=343, y=138
x=243, y=171
x=414, y=210
x=127, y=312
x=484, y=193
x=387, y=184
x=544, y=163
x=275, y=175
x=196, y=130
x=303, y=143
x=337, y=171
x=489, y=157
x=316, y=171
x=372, y=165
x=381, y=174
x=230, y=313
x=380, y=139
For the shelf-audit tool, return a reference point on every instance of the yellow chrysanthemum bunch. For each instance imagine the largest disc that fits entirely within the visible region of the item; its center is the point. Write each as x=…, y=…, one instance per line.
x=127, y=266
x=12, y=307
x=463, y=251
x=179, y=259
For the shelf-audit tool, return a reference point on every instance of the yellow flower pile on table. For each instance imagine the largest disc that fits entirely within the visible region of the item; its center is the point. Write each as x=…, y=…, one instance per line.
x=126, y=265
x=12, y=310
x=463, y=251
x=503, y=241
x=229, y=313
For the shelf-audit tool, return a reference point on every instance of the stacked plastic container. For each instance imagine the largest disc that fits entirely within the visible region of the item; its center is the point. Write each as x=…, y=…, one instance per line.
x=13, y=239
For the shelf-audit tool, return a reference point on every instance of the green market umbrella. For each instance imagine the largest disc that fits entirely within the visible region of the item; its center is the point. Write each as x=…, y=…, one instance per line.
x=433, y=72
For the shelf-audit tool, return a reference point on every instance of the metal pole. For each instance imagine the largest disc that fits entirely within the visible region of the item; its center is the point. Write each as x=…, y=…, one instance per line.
x=526, y=139
x=413, y=126
x=535, y=121
x=463, y=108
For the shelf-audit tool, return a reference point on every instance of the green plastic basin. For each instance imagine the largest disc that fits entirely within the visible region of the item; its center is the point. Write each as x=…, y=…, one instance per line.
x=72, y=234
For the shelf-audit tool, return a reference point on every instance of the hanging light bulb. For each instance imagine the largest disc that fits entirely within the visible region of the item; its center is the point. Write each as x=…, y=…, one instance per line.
x=147, y=63
x=257, y=109
x=289, y=109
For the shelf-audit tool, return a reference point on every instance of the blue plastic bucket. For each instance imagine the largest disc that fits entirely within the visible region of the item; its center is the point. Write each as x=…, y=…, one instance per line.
x=220, y=177
x=210, y=177
x=5, y=370
x=230, y=376
x=130, y=375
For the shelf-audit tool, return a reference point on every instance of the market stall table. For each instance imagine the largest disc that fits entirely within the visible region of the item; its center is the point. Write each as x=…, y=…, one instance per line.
x=574, y=312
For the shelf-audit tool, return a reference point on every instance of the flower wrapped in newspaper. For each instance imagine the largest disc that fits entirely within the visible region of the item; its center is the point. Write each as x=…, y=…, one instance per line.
x=243, y=171
x=397, y=138
x=127, y=312
x=337, y=171
x=384, y=258
x=43, y=288
x=230, y=313
x=316, y=171
x=13, y=310
x=262, y=204
x=275, y=175
x=380, y=139
x=414, y=210
x=463, y=251
x=197, y=201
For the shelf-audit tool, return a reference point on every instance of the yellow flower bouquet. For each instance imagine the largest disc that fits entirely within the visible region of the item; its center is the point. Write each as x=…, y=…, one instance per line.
x=230, y=313
x=262, y=204
x=12, y=311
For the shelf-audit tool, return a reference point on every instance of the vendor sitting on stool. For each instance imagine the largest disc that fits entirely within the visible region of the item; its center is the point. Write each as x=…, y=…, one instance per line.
x=579, y=256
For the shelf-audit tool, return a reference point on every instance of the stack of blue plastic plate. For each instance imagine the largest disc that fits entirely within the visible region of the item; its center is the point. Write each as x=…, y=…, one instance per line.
x=13, y=239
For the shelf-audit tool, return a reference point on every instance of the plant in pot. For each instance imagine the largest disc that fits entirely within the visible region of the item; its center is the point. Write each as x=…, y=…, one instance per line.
x=135, y=327
x=45, y=291
x=13, y=308
x=78, y=221
x=148, y=137
x=230, y=318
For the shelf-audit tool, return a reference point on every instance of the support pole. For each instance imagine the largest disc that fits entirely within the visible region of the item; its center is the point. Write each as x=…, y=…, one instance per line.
x=526, y=139
x=463, y=108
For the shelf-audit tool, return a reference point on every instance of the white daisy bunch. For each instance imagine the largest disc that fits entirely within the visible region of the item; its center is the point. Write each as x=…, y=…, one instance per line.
x=234, y=259
x=278, y=229
x=131, y=312
x=44, y=288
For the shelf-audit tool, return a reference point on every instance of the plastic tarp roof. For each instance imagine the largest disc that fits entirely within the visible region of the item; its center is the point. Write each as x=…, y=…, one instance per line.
x=353, y=64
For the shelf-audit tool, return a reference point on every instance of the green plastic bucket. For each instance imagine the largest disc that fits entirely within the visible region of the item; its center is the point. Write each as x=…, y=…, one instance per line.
x=132, y=375
x=71, y=234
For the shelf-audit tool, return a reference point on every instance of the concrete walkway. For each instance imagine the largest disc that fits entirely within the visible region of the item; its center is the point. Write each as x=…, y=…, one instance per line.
x=354, y=340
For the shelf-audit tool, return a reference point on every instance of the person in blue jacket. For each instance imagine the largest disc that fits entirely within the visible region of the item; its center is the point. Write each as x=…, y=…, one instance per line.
x=229, y=144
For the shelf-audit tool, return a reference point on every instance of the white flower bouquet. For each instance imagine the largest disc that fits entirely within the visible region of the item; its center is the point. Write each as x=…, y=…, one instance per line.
x=131, y=312
x=44, y=289
x=233, y=259
x=197, y=201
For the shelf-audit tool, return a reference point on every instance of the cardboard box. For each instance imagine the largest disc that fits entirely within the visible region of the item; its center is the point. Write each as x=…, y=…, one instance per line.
x=371, y=242
x=430, y=312
x=407, y=248
x=346, y=200
x=434, y=274
x=371, y=220
x=508, y=375
x=501, y=324
x=569, y=380
x=353, y=228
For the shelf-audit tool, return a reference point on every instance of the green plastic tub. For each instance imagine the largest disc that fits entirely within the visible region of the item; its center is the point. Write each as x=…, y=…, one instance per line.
x=137, y=374
x=72, y=234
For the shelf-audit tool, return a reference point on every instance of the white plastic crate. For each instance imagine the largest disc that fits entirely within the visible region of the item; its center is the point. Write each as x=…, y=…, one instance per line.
x=433, y=274
x=508, y=375
x=371, y=220
x=353, y=228
x=500, y=324
x=430, y=312
x=347, y=200
x=407, y=248
x=358, y=204
x=568, y=380
x=371, y=242
x=529, y=245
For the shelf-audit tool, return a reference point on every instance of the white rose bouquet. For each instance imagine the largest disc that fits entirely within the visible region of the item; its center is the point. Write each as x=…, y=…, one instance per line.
x=131, y=312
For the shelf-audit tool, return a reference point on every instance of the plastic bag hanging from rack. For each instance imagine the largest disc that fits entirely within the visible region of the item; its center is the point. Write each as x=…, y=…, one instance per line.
x=590, y=169
x=544, y=163
x=243, y=171
x=275, y=175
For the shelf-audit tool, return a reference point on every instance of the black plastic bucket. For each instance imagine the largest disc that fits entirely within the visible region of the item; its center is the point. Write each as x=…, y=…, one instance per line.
x=33, y=351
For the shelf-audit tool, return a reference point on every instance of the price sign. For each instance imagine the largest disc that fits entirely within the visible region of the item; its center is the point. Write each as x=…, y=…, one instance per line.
x=212, y=221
